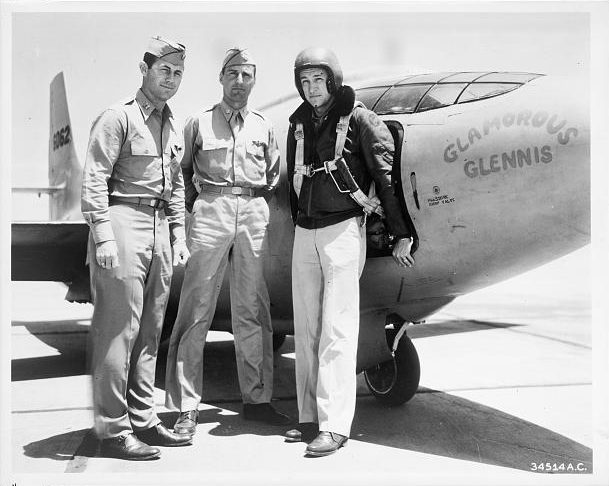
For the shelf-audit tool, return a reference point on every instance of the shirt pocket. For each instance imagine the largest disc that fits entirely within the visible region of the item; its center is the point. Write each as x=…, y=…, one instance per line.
x=255, y=169
x=141, y=147
x=145, y=162
x=213, y=156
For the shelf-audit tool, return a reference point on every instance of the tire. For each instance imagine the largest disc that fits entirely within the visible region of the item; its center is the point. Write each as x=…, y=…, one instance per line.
x=396, y=381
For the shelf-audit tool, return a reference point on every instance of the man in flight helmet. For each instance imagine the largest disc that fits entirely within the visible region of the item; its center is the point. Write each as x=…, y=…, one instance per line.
x=336, y=149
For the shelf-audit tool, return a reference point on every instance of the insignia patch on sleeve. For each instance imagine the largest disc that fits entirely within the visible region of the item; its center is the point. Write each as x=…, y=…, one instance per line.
x=374, y=120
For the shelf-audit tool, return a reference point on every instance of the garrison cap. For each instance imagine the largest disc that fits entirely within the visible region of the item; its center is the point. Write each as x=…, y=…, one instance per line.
x=171, y=51
x=237, y=56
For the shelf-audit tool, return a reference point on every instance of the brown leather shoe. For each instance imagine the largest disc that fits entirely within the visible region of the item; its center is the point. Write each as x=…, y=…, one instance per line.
x=128, y=447
x=186, y=424
x=160, y=436
x=326, y=443
x=303, y=432
x=264, y=412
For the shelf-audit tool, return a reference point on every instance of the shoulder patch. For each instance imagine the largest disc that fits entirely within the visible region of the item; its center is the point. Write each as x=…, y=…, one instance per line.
x=373, y=118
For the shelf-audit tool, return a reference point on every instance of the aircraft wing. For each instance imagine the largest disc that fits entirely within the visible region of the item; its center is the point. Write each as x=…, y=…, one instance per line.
x=49, y=251
x=38, y=190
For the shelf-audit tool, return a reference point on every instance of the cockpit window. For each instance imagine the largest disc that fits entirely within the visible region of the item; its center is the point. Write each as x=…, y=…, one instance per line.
x=430, y=91
x=507, y=77
x=441, y=95
x=485, y=90
x=425, y=78
x=369, y=96
x=462, y=77
x=401, y=99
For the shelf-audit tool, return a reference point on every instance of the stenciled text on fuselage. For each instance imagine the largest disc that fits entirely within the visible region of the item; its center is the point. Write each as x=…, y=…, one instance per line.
x=511, y=157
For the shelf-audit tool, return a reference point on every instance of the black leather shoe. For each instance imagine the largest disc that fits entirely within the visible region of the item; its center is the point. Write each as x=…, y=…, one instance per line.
x=128, y=447
x=187, y=423
x=264, y=412
x=304, y=432
x=326, y=443
x=160, y=436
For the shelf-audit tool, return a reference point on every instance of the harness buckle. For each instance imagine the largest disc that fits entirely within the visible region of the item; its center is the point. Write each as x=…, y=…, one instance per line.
x=329, y=166
x=304, y=170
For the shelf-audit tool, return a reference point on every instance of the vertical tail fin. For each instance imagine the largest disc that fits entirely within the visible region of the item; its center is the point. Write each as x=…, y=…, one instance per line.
x=65, y=172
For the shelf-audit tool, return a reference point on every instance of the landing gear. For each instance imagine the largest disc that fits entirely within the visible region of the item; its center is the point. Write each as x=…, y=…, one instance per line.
x=394, y=382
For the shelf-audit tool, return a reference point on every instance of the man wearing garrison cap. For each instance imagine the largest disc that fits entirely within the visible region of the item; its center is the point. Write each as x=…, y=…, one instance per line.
x=133, y=201
x=231, y=168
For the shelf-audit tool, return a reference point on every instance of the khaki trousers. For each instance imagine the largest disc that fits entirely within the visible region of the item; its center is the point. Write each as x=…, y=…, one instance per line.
x=129, y=306
x=225, y=229
x=326, y=266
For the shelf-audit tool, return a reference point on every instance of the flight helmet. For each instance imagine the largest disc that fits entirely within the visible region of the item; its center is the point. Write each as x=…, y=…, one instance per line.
x=319, y=57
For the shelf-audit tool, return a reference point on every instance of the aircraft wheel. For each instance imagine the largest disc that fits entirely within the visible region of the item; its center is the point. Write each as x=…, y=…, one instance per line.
x=278, y=340
x=396, y=381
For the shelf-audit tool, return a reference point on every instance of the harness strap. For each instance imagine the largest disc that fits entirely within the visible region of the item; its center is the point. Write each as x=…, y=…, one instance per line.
x=370, y=204
x=341, y=135
x=299, y=167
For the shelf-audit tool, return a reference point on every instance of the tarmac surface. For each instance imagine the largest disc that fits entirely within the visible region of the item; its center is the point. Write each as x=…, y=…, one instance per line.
x=506, y=397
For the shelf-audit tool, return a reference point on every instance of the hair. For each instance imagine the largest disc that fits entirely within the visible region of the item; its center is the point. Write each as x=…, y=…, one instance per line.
x=150, y=59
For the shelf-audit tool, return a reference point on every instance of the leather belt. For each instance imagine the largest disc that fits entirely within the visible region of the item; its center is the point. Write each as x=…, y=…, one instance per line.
x=153, y=202
x=236, y=190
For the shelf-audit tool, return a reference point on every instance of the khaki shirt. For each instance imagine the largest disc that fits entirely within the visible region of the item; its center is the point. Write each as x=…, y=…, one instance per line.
x=227, y=147
x=134, y=151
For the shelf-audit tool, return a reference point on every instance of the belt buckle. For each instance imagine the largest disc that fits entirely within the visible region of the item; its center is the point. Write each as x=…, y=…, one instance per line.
x=236, y=190
x=154, y=202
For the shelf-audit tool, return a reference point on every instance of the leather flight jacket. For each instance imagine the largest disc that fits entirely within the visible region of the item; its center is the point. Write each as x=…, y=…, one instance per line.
x=368, y=153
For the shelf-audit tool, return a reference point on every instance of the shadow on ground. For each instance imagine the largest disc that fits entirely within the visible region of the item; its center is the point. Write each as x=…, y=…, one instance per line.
x=438, y=423
x=433, y=422
x=70, y=339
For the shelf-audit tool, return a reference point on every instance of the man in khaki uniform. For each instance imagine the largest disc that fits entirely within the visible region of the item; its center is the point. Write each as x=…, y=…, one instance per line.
x=133, y=201
x=231, y=168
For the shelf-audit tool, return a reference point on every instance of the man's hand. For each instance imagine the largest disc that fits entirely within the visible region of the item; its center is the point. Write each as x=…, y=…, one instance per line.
x=401, y=252
x=106, y=254
x=180, y=253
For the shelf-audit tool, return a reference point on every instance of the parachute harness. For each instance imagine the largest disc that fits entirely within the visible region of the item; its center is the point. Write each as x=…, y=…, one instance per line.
x=336, y=168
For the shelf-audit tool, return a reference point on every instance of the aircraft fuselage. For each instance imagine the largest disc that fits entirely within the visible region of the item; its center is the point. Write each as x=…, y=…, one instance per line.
x=494, y=188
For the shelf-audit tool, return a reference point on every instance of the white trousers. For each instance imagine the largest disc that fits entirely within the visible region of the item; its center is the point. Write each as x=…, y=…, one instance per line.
x=326, y=266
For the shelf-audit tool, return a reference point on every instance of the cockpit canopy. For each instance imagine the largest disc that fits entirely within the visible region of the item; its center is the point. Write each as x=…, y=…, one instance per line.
x=423, y=92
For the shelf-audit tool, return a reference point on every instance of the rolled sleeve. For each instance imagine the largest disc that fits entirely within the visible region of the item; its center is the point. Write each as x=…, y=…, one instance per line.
x=105, y=141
